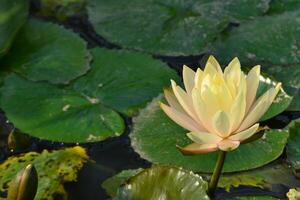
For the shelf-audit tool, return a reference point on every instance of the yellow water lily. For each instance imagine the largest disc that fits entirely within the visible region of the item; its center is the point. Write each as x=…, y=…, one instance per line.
x=219, y=109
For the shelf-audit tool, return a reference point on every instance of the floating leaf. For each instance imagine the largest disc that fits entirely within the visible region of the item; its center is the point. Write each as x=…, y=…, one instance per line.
x=13, y=14
x=293, y=149
x=266, y=177
x=155, y=137
x=125, y=80
x=280, y=6
x=85, y=110
x=53, y=168
x=278, y=51
x=168, y=27
x=46, y=51
x=49, y=112
x=61, y=9
x=162, y=182
x=112, y=184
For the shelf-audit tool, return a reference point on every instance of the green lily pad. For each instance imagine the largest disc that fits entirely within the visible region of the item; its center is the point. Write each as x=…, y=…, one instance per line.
x=293, y=149
x=170, y=27
x=163, y=182
x=61, y=9
x=13, y=14
x=280, y=6
x=155, y=137
x=84, y=111
x=43, y=51
x=124, y=80
x=112, y=184
x=265, y=177
x=49, y=112
x=278, y=51
x=53, y=168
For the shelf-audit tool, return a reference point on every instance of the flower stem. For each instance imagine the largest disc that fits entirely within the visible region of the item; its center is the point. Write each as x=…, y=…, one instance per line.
x=217, y=172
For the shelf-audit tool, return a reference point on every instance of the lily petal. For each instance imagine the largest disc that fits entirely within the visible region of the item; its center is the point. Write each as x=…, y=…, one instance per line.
x=238, y=109
x=210, y=70
x=182, y=119
x=213, y=61
x=172, y=100
x=209, y=98
x=260, y=107
x=252, y=85
x=198, y=78
x=188, y=78
x=183, y=99
x=228, y=145
x=221, y=124
x=204, y=137
x=241, y=136
x=233, y=71
x=196, y=148
x=201, y=109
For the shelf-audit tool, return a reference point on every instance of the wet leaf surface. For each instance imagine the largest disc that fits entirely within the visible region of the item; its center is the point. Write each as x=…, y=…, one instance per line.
x=112, y=184
x=170, y=27
x=293, y=148
x=86, y=110
x=43, y=51
x=163, y=182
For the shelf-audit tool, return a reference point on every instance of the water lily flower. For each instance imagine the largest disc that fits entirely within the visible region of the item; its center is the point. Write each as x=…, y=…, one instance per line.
x=219, y=109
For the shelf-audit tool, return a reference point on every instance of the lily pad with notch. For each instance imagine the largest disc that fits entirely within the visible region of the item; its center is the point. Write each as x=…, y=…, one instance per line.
x=86, y=110
x=44, y=51
x=169, y=28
